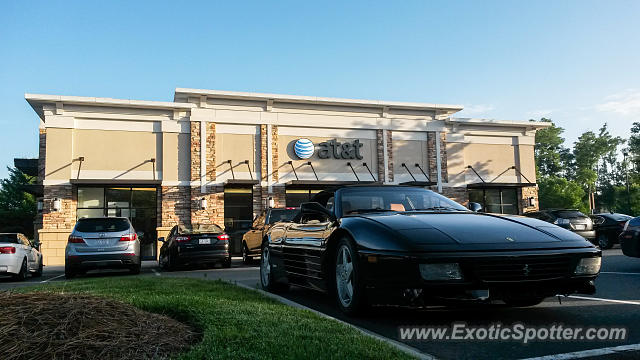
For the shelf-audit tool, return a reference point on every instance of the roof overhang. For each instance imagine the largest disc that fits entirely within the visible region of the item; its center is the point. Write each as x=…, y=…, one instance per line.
x=36, y=101
x=237, y=95
x=529, y=125
x=492, y=185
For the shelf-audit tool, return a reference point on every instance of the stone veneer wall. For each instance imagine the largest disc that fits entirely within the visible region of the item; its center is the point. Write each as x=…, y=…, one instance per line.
x=524, y=194
x=457, y=194
x=431, y=155
x=57, y=225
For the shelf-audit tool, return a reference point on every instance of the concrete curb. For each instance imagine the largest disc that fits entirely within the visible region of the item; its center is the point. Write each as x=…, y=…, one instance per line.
x=398, y=345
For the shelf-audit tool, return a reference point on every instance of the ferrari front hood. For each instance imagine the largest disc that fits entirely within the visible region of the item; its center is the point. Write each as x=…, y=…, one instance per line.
x=472, y=228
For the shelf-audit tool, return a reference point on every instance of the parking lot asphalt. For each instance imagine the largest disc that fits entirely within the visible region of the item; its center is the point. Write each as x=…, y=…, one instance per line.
x=616, y=303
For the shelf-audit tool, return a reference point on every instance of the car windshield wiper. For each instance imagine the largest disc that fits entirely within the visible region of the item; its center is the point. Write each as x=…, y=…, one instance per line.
x=436, y=208
x=368, y=210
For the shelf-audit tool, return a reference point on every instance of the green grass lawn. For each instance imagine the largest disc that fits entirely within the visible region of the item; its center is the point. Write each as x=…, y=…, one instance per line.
x=236, y=323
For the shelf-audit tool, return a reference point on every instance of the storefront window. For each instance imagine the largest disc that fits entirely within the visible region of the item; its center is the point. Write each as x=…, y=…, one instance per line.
x=137, y=204
x=293, y=198
x=238, y=214
x=499, y=201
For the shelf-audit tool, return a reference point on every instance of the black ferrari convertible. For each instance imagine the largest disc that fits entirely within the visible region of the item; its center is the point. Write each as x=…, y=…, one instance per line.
x=388, y=244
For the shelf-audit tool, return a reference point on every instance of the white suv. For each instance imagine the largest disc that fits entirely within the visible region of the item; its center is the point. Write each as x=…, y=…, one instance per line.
x=19, y=256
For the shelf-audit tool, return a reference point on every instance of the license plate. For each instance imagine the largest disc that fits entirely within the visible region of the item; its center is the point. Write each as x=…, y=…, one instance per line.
x=581, y=227
x=102, y=242
x=204, y=241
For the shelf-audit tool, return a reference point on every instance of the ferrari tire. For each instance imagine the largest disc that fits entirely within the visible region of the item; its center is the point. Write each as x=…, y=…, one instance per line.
x=348, y=284
x=267, y=279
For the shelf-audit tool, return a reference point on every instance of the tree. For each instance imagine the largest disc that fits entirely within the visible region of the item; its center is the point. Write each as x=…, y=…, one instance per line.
x=557, y=192
x=551, y=156
x=17, y=208
x=634, y=153
x=589, y=152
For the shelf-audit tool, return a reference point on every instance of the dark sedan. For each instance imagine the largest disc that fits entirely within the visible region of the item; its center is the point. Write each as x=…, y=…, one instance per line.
x=608, y=227
x=570, y=219
x=630, y=238
x=196, y=244
x=384, y=244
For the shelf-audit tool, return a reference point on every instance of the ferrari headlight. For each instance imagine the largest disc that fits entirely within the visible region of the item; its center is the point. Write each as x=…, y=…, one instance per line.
x=447, y=271
x=588, y=266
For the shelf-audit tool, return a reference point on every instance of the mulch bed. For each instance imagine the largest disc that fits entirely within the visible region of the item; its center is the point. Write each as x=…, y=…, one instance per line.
x=75, y=326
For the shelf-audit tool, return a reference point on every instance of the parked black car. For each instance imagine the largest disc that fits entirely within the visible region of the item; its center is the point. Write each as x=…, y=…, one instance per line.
x=608, y=227
x=252, y=239
x=630, y=238
x=195, y=244
x=569, y=219
x=382, y=244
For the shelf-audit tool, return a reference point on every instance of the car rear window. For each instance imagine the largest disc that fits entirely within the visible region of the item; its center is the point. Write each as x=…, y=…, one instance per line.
x=282, y=215
x=9, y=238
x=569, y=214
x=200, y=229
x=102, y=225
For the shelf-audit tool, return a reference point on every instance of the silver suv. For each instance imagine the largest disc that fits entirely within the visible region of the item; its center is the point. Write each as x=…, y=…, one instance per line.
x=97, y=243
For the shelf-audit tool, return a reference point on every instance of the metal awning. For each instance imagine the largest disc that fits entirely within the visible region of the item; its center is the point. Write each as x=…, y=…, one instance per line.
x=320, y=185
x=492, y=185
x=240, y=183
x=419, y=183
x=114, y=182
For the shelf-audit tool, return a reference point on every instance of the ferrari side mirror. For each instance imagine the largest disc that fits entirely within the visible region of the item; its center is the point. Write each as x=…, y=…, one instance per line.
x=475, y=207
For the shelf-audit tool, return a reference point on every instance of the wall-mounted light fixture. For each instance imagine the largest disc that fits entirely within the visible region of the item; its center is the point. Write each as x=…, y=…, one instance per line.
x=39, y=205
x=270, y=202
x=203, y=203
x=532, y=201
x=57, y=204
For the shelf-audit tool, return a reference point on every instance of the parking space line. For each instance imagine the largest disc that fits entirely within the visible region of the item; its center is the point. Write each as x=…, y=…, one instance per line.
x=53, y=278
x=619, y=273
x=606, y=300
x=589, y=353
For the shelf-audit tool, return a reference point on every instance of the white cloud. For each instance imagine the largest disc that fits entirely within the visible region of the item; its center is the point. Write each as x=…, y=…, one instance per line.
x=477, y=109
x=624, y=103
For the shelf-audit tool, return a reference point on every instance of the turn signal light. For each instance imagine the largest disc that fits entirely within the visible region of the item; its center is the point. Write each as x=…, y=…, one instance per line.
x=75, y=239
x=223, y=237
x=129, y=237
x=7, y=250
x=183, y=238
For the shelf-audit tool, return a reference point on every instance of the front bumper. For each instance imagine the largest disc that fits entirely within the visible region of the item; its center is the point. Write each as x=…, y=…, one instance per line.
x=503, y=275
x=101, y=261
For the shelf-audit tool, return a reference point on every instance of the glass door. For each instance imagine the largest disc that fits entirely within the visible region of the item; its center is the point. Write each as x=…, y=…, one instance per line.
x=238, y=215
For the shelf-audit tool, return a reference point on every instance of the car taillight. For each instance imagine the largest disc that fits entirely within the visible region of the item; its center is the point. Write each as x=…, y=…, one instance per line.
x=183, y=238
x=75, y=239
x=223, y=237
x=129, y=237
x=7, y=250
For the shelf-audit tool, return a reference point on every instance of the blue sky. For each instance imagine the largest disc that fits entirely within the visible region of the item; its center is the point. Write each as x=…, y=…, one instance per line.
x=574, y=61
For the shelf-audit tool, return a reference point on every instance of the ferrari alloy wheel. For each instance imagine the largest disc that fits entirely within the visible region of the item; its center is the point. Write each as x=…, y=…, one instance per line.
x=344, y=275
x=265, y=268
x=348, y=290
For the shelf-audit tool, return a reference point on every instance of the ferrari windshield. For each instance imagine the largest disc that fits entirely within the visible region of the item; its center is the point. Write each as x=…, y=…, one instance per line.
x=369, y=199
